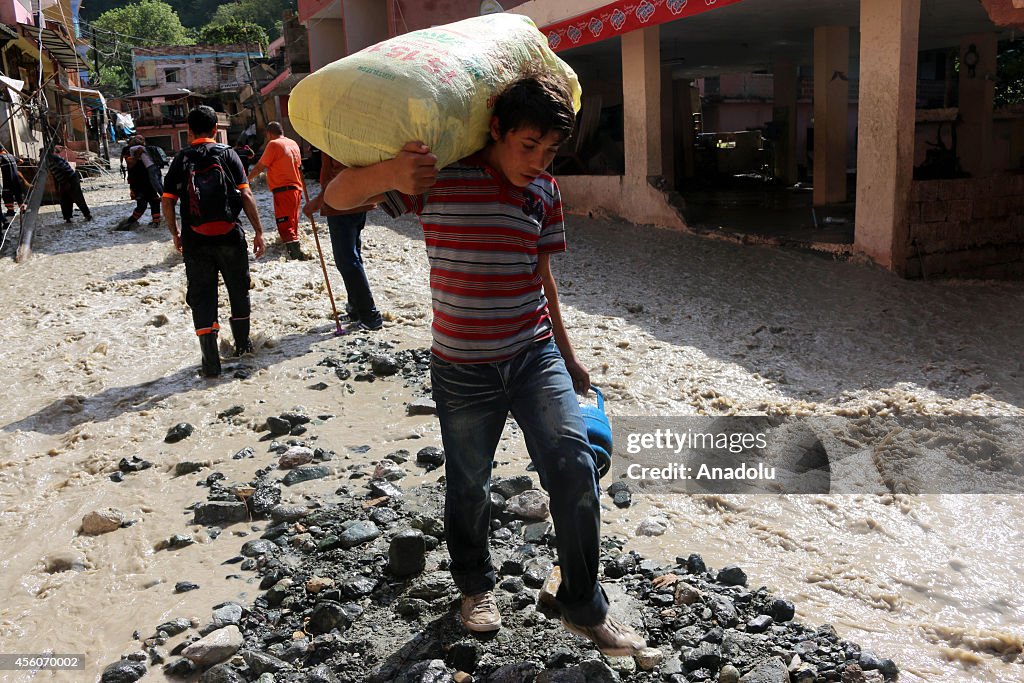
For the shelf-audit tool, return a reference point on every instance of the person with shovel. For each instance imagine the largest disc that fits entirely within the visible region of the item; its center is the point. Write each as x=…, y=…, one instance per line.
x=346, y=227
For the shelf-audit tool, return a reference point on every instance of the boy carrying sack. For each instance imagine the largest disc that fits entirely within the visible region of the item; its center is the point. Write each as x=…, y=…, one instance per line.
x=492, y=221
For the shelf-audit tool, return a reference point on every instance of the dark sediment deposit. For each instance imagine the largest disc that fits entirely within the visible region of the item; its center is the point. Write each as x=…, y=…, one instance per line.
x=358, y=590
x=355, y=586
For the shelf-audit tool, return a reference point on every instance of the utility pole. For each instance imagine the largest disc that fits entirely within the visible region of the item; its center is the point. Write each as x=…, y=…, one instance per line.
x=95, y=50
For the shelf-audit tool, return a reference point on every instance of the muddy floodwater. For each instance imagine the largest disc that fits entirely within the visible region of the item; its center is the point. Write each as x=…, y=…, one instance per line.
x=99, y=359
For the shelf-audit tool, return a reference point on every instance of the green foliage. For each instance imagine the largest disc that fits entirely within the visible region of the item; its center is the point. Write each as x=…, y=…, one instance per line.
x=234, y=32
x=1010, y=74
x=266, y=13
x=193, y=13
x=112, y=79
x=153, y=21
x=148, y=23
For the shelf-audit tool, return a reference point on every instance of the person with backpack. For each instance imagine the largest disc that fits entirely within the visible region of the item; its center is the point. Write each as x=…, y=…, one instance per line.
x=69, y=187
x=210, y=181
x=282, y=160
x=144, y=164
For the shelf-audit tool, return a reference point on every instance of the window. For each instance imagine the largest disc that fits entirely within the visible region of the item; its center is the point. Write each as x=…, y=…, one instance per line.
x=171, y=75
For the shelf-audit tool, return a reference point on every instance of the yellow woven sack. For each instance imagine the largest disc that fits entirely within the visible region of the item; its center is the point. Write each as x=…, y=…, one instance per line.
x=436, y=85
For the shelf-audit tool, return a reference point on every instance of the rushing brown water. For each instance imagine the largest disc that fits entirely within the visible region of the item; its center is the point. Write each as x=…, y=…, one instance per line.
x=100, y=361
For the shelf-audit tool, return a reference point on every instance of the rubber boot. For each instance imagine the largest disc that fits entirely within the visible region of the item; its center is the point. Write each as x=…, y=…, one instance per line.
x=295, y=252
x=127, y=224
x=211, y=356
x=240, y=331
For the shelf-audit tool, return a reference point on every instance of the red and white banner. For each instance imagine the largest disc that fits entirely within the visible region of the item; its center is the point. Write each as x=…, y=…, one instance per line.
x=623, y=16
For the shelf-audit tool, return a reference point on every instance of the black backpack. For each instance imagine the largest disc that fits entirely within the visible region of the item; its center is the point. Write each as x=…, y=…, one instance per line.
x=210, y=193
x=157, y=154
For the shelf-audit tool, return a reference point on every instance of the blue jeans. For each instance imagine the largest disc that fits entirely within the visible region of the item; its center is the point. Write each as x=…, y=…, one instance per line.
x=473, y=402
x=348, y=256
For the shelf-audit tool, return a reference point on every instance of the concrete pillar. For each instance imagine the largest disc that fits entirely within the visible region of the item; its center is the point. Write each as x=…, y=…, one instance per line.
x=786, y=83
x=977, y=97
x=641, y=96
x=669, y=141
x=889, y=34
x=831, y=104
x=327, y=42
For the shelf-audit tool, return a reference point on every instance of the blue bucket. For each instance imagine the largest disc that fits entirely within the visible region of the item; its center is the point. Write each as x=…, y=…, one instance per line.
x=599, y=433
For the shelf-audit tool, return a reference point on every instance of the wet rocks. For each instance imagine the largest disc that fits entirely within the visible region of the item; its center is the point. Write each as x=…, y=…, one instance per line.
x=124, y=671
x=531, y=504
x=133, y=464
x=222, y=673
x=215, y=647
x=772, y=671
x=174, y=626
x=278, y=426
x=247, y=452
x=732, y=576
x=257, y=547
x=220, y=513
x=783, y=610
x=359, y=533
x=407, y=553
x=264, y=499
x=351, y=582
x=729, y=674
x=421, y=406
x=381, y=488
x=430, y=457
x=318, y=583
x=178, y=541
x=305, y=473
x=188, y=467
x=759, y=624
x=328, y=615
x=384, y=365
x=67, y=560
x=260, y=663
x=227, y=614
x=507, y=487
x=295, y=456
x=288, y=513
x=652, y=526
x=178, y=432
x=100, y=522
x=185, y=586
x=230, y=412
x=389, y=470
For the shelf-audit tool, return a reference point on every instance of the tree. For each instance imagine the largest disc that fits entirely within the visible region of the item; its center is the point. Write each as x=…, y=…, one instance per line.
x=1009, y=74
x=234, y=33
x=148, y=23
x=266, y=13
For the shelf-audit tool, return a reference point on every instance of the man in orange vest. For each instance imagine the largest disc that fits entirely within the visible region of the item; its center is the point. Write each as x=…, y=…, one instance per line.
x=282, y=161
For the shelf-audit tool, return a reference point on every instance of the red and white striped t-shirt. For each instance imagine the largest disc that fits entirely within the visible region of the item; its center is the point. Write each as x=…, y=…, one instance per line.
x=483, y=238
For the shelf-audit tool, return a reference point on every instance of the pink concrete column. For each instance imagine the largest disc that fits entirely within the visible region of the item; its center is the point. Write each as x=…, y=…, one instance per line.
x=786, y=83
x=641, y=96
x=889, y=33
x=977, y=98
x=327, y=42
x=831, y=105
